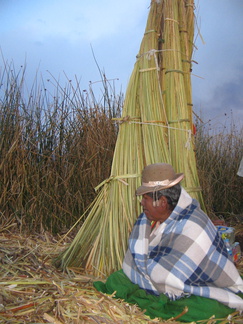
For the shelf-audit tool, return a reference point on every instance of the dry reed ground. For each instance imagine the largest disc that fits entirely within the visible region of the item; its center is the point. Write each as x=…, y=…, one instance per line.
x=32, y=290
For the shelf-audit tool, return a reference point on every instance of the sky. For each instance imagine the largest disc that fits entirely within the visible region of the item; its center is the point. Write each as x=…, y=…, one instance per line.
x=57, y=38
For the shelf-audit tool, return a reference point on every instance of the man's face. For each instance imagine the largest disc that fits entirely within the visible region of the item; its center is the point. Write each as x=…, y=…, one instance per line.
x=153, y=213
x=158, y=211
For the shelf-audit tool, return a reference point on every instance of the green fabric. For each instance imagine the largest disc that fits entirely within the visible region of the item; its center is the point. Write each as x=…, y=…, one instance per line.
x=200, y=308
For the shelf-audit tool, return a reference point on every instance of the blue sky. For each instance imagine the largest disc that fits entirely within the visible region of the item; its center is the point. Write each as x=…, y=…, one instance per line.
x=57, y=35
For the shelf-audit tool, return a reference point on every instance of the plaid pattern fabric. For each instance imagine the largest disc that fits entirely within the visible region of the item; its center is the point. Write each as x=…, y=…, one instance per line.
x=185, y=255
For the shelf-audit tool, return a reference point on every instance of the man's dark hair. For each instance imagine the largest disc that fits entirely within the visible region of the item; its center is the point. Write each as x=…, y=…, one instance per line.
x=172, y=194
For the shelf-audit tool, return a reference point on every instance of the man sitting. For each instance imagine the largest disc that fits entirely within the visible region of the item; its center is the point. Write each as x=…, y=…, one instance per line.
x=181, y=254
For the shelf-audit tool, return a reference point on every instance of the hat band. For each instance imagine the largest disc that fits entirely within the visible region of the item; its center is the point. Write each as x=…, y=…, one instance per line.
x=156, y=183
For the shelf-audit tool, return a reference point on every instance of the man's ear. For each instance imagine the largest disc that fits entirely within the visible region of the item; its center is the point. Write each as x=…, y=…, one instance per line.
x=163, y=201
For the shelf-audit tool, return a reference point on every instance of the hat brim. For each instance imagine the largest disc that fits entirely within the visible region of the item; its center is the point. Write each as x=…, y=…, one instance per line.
x=143, y=189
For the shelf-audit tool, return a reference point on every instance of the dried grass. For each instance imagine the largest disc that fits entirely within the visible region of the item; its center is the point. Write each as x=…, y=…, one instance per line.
x=54, y=150
x=218, y=159
x=32, y=290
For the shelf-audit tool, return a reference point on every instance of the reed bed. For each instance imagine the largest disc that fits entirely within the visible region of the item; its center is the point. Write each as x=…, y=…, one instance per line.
x=32, y=290
x=55, y=148
x=155, y=126
x=218, y=157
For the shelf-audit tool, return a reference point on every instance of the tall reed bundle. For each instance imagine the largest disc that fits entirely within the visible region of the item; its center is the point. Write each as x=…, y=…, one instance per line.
x=155, y=127
x=176, y=65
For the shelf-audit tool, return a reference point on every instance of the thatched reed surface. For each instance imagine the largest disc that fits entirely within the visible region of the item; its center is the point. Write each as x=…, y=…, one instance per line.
x=32, y=290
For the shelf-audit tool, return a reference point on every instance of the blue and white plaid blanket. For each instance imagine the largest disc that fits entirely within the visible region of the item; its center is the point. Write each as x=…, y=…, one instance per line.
x=185, y=255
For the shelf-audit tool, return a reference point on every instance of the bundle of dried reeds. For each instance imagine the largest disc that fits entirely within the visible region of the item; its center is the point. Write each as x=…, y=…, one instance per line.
x=177, y=49
x=155, y=127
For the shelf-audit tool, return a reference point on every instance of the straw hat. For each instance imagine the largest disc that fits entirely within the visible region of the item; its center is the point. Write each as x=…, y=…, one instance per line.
x=158, y=176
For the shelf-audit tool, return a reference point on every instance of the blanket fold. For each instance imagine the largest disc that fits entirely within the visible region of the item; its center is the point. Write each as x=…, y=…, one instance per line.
x=199, y=308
